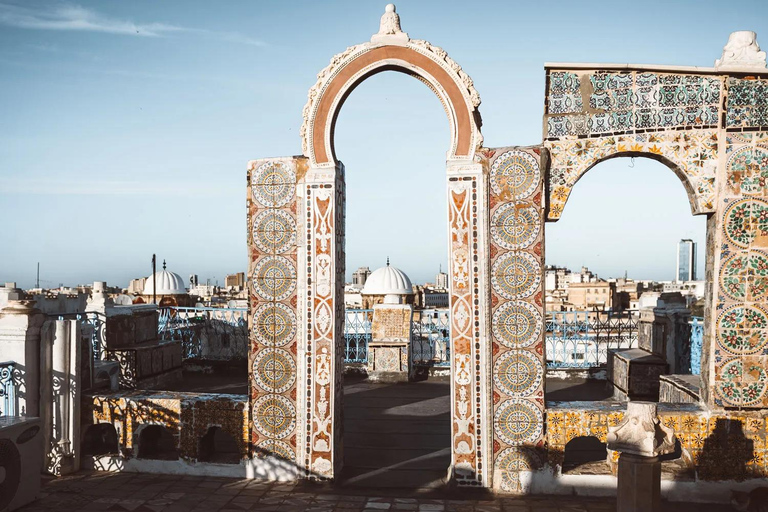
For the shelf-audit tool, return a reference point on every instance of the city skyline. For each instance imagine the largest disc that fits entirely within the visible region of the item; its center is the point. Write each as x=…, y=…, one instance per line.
x=128, y=128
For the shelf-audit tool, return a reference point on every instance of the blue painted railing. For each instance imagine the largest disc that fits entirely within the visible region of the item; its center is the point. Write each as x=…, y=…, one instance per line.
x=357, y=334
x=7, y=389
x=581, y=339
x=431, y=338
x=697, y=337
x=186, y=325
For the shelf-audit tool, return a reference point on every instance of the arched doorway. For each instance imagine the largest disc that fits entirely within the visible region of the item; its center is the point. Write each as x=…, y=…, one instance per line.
x=296, y=244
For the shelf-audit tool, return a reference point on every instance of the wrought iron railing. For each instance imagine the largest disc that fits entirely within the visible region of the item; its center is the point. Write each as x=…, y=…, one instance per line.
x=697, y=337
x=97, y=321
x=187, y=325
x=581, y=339
x=7, y=389
x=431, y=338
x=357, y=334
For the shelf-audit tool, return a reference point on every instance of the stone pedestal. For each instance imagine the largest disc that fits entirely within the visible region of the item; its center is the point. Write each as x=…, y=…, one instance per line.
x=389, y=349
x=640, y=438
x=639, y=488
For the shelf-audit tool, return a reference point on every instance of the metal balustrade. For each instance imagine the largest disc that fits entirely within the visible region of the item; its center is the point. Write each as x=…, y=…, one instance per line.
x=697, y=338
x=357, y=334
x=98, y=322
x=581, y=339
x=186, y=324
x=431, y=338
x=8, y=388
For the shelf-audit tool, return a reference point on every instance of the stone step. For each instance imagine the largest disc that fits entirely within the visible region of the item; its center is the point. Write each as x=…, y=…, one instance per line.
x=394, y=426
x=393, y=479
x=424, y=439
x=408, y=458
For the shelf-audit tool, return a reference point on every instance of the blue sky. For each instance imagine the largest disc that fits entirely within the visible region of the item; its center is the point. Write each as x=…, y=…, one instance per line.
x=126, y=128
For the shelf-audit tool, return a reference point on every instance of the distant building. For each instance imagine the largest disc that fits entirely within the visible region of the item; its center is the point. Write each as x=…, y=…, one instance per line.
x=235, y=281
x=686, y=261
x=441, y=280
x=596, y=295
x=136, y=286
x=435, y=298
x=359, y=276
x=193, y=280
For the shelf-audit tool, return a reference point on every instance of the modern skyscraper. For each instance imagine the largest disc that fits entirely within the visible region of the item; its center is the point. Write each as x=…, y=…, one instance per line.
x=686, y=261
x=441, y=280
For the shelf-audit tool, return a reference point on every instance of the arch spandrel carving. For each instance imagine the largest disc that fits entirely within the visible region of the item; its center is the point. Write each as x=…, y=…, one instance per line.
x=426, y=62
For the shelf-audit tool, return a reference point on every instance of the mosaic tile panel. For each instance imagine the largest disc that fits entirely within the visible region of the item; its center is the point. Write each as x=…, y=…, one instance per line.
x=741, y=313
x=597, y=102
x=691, y=154
x=272, y=281
x=747, y=103
x=516, y=262
x=465, y=202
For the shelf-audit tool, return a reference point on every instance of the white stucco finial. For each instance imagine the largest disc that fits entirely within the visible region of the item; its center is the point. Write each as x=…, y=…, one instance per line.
x=389, y=28
x=742, y=53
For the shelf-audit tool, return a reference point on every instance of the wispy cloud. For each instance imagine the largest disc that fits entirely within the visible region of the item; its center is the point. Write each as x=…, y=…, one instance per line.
x=12, y=186
x=76, y=18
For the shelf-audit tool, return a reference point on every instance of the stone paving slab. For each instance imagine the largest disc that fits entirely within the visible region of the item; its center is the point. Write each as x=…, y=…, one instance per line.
x=141, y=492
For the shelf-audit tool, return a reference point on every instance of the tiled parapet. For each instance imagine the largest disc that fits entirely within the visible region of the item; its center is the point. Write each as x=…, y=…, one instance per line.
x=516, y=254
x=715, y=445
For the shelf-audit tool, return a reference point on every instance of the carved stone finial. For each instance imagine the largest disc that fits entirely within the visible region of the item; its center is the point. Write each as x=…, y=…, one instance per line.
x=742, y=52
x=389, y=28
x=641, y=432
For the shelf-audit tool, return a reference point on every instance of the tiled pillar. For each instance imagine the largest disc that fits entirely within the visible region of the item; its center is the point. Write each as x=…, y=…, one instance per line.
x=321, y=304
x=272, y=276
x=467, y=220
x=739, y=361
x=517, y=316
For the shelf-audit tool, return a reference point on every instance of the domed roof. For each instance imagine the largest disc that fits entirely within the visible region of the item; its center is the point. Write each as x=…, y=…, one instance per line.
x=387, y=280
x=168, y=283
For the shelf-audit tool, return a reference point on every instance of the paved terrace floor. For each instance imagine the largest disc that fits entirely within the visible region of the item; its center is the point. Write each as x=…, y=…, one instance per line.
x=134, y=492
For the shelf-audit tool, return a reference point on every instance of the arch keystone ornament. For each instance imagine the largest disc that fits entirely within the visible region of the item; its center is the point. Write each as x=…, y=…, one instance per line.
x=391, y=49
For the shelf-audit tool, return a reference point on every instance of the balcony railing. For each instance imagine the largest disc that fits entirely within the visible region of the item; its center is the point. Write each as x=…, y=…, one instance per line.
x=357, y=334
x=98, y=324
x=697, y=337
x=581, y=339
x=8, y=389
x=431, y=338
x=187, y=325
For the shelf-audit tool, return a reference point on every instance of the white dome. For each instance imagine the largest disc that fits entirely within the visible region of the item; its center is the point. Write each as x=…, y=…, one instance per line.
x=388, y=280
x=168, y=283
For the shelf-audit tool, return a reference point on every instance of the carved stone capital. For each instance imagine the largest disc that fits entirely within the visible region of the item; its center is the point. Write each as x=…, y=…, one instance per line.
x=742, y=52
x=641, y=433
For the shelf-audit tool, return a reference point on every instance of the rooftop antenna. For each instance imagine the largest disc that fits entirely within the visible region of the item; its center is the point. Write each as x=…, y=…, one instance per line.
x=37, y=281
x=154, y=279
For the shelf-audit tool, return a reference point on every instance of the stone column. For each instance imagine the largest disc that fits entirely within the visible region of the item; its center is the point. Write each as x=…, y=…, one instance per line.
x=20, y=324
x=60, y=394
x=641, y=439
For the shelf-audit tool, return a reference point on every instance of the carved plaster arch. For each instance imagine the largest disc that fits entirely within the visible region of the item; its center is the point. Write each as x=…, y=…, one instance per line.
x=420, y=59
x=691, y=156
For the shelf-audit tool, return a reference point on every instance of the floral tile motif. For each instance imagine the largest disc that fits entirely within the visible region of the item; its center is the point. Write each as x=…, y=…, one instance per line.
x=692, y=154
